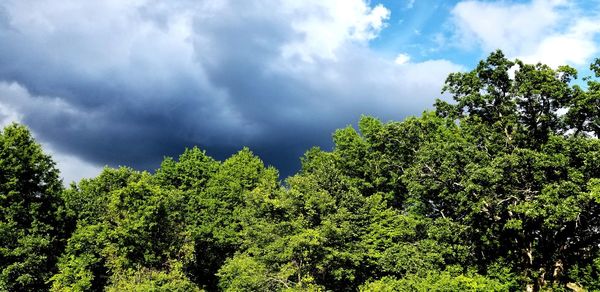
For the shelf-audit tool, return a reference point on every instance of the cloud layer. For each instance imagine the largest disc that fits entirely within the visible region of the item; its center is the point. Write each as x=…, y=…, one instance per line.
x=555, y=32
x=127, y=82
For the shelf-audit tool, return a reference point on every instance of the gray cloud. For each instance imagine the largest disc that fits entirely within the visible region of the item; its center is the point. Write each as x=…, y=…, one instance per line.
x=120, y=82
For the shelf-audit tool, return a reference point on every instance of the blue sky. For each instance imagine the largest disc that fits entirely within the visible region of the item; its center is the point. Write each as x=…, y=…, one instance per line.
x=416, y=28
x=126, y=82
x=430, y=29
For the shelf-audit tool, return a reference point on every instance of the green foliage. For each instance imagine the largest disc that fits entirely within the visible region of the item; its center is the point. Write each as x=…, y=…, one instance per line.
x=584, y=107
x=243, y=273
x=587, y=274
x=141, y=227
x=444, y=281
x=152, y=280
x=215, y=213
x=498, y=190
x=32, y=217
x=87, y=200
x=192, y=171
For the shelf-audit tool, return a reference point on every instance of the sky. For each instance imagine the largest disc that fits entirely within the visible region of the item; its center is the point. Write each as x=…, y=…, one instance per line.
x=128, y=82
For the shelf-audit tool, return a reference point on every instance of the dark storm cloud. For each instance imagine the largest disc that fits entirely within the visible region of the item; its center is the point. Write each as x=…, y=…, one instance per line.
x=118, y=82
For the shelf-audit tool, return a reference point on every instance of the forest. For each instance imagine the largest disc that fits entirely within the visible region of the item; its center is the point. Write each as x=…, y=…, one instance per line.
x=495, y=189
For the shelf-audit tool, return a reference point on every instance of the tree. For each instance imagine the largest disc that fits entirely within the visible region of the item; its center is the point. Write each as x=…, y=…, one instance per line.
x=32, y=221
x=214, y=212
x=523, y=107
x=191, y=171
x=142, y=227
x=173, y=280
x=435, y=281
x=523, y=182
x=498, y=190
x=584, y=109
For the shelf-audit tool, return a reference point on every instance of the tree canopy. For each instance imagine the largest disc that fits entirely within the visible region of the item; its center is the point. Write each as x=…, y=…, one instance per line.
x=497, y=189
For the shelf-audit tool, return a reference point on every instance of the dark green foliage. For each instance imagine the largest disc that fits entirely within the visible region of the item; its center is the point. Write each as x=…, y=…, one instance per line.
x=584, y=107
x=32, y=221
x=496, y=191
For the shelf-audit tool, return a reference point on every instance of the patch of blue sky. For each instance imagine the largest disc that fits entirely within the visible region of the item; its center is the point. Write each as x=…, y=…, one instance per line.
x=422, y=31
x=425, y=29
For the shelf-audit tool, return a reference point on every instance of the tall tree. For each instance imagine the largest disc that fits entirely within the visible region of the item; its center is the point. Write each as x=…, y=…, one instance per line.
x=32, y=226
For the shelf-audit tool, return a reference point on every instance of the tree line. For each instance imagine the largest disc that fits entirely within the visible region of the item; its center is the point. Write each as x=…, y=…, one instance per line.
x=496, y=190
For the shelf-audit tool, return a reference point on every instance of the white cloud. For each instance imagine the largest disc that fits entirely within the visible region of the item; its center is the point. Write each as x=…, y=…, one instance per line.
x=72, y=168
x=576, y=46
x=338, y=22
x=8, y=115
x=551, y=32
x=402, y=59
